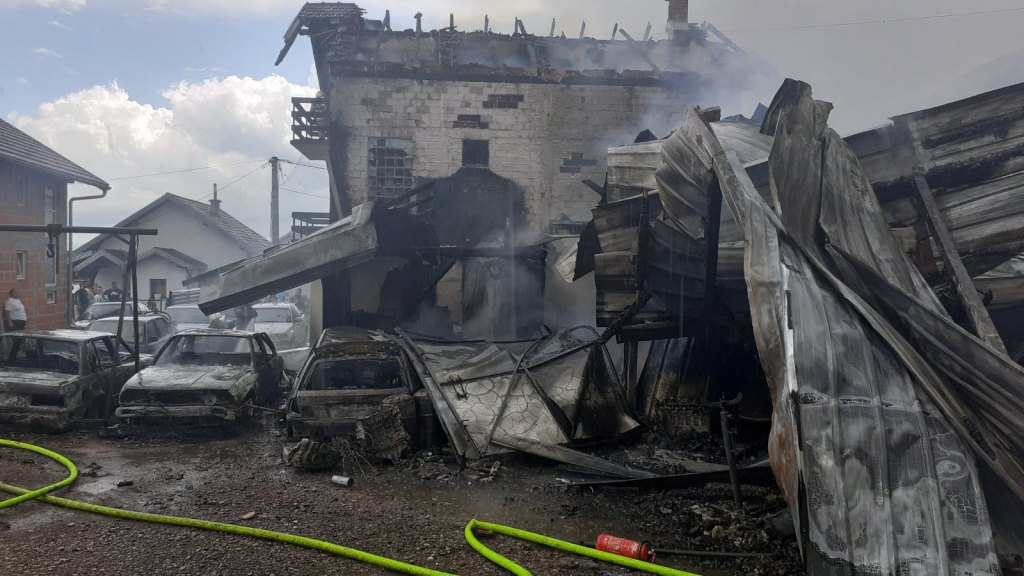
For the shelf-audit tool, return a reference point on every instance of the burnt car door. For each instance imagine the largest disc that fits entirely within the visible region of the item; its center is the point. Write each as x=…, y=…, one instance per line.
x=100, y=364
x=268, y=366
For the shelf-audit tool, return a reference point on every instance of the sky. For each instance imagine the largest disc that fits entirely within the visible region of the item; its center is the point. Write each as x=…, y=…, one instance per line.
x=131, y=89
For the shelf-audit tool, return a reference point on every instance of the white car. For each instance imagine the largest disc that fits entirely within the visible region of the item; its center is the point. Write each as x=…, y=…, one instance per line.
x=284, y=323
x=187, y=317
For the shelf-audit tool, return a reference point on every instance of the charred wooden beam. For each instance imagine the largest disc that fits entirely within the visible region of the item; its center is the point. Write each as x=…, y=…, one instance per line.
x=639, y=50
x=978, y=318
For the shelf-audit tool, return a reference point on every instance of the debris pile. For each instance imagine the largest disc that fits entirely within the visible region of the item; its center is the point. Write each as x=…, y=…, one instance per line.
x=881, y=403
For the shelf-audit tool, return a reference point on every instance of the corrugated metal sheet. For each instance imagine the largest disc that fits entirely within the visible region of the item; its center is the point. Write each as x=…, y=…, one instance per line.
x=557, y=390
x=866, y=441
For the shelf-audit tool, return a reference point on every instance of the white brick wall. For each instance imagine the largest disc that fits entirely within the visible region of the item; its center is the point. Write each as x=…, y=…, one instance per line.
x=527, y=144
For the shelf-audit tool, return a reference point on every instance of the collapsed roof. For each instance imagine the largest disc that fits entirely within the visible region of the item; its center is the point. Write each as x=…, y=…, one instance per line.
x=347, y=44
x=892, y=425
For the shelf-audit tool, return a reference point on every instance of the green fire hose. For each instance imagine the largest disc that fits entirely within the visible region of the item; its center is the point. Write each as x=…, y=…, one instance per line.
x=42, y=494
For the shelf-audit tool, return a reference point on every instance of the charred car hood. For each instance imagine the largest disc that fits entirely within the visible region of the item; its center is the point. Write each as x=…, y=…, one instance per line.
x=177, y=377
x=273, y=328
x=28, y=381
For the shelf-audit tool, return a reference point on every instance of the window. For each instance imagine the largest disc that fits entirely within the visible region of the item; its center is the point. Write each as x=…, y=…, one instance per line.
x=158, y=328
x=50, y=217
x=476, y=153
x=49, y=206
x=158, y=286
x=100, y=349
x=20, y=264
x=389, y=167
x=51, y=296
x=19, y=192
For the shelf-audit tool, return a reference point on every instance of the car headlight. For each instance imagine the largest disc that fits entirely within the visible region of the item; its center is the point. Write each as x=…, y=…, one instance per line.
x=209, y=399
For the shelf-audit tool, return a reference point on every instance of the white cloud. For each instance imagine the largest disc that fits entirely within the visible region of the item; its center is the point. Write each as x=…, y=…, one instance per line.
x=66, y=6
x=207, y=7
x=208, y=123
x=47, y=53
x=23, y=81
x=58, y=24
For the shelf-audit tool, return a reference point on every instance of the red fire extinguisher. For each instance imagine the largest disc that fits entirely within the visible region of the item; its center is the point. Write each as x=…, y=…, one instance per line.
x=623, y=547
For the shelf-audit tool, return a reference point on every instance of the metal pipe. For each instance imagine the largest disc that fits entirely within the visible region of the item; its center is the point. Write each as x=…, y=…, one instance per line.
x=71, y=264
x=133, y=257
x=59, y=229
x=730, y=458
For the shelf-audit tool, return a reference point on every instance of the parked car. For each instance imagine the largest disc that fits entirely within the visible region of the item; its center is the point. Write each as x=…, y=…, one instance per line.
x=51, y=379
x=153, y=331
x=348, y=374
x=284, y=323
x=203, y=376
x=99, y=310
x=187, y=317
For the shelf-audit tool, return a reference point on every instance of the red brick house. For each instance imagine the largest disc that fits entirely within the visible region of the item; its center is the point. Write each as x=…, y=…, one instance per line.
x=34, y=191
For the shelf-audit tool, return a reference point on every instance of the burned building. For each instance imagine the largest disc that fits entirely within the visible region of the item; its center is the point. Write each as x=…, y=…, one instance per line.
x=509, y=126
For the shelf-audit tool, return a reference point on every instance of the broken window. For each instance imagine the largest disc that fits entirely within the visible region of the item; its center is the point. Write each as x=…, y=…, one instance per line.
x=476, y=153
x=389, y=167
x=356, y=375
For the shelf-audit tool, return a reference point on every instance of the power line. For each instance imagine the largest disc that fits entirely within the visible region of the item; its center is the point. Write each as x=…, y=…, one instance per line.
x=184, y=170
x=304, y=193
x=305, y=165
x=246, y=175
x=290, y=174
x=864, y=22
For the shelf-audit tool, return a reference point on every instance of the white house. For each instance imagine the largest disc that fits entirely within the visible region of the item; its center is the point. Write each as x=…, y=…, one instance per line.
x=193, y=237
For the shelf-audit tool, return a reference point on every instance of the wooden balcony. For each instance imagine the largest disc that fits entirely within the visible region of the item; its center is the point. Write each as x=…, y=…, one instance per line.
x=309, y=127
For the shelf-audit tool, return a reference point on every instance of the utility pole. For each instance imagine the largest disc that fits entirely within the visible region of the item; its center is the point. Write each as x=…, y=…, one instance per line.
x=274, y=193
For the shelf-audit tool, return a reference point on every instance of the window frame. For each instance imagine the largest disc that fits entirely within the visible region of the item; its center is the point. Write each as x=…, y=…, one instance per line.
x=20, y=191
x=389, y=167
x=483, y=150
x=20, y=264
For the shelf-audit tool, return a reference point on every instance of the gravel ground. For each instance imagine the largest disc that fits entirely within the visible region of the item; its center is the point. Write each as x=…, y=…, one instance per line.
x=415, y=512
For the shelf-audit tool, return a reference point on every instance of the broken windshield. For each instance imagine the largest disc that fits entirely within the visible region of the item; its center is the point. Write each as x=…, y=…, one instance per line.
x=50, y=355
x=356, y=375
x=206, y=351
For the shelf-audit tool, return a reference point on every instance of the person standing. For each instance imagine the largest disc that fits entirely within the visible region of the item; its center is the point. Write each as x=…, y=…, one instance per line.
x=83, y=298
x=97, y=293
x=15, y=317
x=113, y=294
x=300, y=301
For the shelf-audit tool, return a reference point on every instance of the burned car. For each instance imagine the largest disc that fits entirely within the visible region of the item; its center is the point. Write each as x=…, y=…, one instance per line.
x=98, y=310
x=153, y=331
x=51, y=379
x=346, y=377
x=203, y=376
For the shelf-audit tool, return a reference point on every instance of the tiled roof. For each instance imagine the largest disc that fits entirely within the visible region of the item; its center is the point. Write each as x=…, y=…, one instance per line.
x=316, y=11
x=247, y=237
x=330, y=10
x=21, y=148
x=113, y=255
x=227, y=223
x=177, y=255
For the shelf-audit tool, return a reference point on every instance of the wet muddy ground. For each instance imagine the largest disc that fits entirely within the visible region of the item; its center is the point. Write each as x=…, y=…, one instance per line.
x=415, y=512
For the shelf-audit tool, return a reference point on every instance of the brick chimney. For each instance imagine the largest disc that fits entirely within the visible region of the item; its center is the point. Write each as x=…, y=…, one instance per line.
x=678, y=17
x=214, y=202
